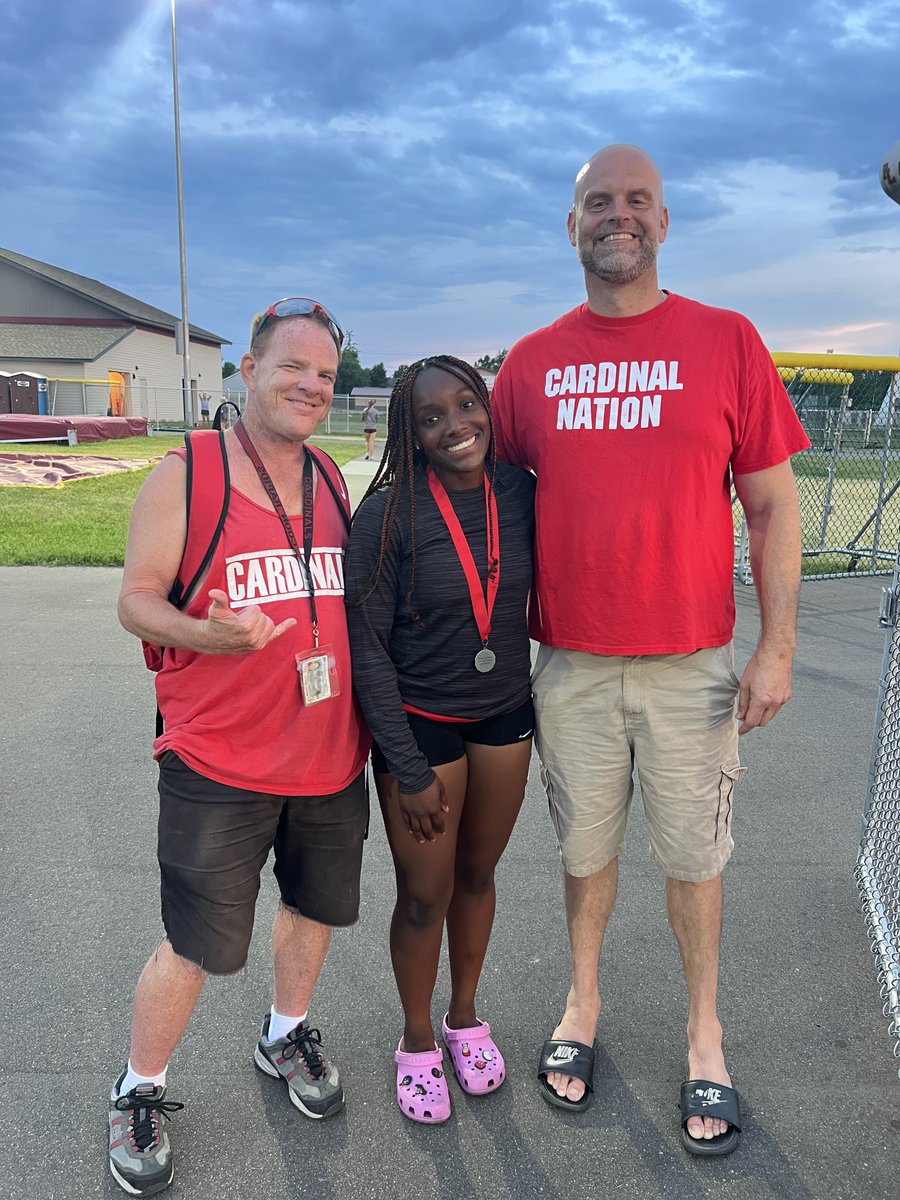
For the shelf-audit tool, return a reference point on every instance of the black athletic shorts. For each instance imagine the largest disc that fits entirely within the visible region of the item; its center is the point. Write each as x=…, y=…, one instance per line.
x=445, y=741
x=214, y=841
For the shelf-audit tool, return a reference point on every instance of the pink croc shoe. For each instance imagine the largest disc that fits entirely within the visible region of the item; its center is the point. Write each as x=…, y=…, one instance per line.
x=477, y=1063
x=422, y=1086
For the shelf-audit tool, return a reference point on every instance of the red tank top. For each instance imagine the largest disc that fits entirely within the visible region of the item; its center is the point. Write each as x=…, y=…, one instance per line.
x=239, y=719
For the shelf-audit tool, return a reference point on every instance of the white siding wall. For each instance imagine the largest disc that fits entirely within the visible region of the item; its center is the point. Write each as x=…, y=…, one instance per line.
x=50, y=369
x=151, y=356
x=69, y=399
x=142, y=355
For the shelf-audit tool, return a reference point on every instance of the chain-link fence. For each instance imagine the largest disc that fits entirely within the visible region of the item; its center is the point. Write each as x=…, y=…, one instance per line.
x=163, y=407
x=878, y=864
x=105, y=398
x=849, y=479
x=343, y=417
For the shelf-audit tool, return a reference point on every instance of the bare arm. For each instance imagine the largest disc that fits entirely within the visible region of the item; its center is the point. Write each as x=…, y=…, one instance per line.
x=769, y=500
x=152, y=558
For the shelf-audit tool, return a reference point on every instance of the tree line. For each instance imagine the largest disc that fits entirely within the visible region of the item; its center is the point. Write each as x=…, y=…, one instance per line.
x=352, y=374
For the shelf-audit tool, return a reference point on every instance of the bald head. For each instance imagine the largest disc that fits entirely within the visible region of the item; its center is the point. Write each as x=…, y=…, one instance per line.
x=618, y=220
x=620, y=158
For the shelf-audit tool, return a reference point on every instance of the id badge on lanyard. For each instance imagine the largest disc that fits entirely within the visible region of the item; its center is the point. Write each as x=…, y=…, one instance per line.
x=318, y=673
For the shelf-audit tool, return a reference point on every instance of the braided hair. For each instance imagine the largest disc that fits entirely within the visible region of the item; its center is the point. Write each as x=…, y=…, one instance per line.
x=402, y=457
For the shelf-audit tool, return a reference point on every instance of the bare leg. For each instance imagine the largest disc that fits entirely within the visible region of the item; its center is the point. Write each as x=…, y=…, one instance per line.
x=496, y=787
x=589, y=903
x=299, y=946
x=424, y=874
x=695, y=914
x=165, y=997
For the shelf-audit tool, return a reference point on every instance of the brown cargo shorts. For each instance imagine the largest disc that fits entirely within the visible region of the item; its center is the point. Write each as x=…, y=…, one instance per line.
x=670, y=715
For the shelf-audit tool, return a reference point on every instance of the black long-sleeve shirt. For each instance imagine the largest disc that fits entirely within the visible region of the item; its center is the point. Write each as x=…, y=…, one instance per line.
x=395, y=661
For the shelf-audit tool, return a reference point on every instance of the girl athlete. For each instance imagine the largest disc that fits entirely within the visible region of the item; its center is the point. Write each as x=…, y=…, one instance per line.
x=370, y=427
x=437, y=577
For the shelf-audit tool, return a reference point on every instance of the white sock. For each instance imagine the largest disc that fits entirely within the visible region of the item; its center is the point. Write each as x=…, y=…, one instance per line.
x=280, y=1026
x=133, y=1079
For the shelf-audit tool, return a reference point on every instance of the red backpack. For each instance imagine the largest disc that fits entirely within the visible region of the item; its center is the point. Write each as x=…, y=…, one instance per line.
x=207, y=495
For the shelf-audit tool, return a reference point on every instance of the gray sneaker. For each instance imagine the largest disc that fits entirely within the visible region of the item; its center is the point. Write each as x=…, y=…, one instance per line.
x=140, y=1157
x=313, y=1083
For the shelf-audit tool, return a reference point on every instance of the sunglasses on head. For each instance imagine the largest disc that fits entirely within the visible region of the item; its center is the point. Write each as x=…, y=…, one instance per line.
x=302, y=306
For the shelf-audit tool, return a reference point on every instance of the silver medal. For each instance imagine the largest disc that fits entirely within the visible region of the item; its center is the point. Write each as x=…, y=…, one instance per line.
x=484, y=660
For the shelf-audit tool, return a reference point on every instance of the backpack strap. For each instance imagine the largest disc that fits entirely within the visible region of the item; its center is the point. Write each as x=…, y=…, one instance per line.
x=207, y=492
x=337, y=485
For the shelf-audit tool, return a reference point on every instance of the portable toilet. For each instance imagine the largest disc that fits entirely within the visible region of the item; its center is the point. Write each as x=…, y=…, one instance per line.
x=23, y=393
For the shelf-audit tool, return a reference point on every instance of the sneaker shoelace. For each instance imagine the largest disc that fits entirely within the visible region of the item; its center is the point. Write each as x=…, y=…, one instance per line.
x=143, y=1122
x=307, y=1041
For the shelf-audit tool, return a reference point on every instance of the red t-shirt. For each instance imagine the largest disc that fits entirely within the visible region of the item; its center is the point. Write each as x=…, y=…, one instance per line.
x=239, y=719
x=632, y=426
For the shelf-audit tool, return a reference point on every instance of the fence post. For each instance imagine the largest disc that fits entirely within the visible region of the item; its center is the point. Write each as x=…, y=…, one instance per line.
x=838, y=426
x=885, y=458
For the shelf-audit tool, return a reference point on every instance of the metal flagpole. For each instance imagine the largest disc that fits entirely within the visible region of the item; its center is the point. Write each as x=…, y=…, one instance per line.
x=187, y=400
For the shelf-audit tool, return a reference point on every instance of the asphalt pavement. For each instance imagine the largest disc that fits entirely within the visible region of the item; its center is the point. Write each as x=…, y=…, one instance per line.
x=806, y=1039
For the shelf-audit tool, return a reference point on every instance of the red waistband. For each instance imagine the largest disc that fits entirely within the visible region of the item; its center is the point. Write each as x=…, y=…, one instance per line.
x=420, y=712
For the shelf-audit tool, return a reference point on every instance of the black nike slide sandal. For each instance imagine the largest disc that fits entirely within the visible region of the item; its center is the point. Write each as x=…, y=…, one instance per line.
x=702, y=1098
x=568, y=1058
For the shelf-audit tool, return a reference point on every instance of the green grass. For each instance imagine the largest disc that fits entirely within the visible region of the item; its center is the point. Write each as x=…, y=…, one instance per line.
x=840, y=564
x=812, y=464
x=130, y=448
x=85, y=522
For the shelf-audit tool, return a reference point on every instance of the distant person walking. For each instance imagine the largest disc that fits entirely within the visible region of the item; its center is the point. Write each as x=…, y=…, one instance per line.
x=370, y=427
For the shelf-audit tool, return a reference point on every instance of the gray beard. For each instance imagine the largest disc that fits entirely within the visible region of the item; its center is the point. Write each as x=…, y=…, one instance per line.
x=617, y=266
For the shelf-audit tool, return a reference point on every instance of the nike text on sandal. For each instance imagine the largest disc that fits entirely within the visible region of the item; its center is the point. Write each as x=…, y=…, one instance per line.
x=567, y=1058
x=702, y=1098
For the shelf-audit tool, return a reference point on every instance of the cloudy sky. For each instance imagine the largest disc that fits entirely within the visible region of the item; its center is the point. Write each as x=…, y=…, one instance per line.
x=410, y=163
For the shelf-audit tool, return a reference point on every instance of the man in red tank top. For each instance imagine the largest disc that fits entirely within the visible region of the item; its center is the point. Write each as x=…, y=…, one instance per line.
x=263, y=745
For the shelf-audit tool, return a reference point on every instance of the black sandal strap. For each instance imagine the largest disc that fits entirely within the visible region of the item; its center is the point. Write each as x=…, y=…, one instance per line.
x=703, y=1098
x=568, y=1058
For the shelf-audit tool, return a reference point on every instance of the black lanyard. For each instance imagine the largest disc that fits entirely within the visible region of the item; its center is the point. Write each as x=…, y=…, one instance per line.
x=305, y=558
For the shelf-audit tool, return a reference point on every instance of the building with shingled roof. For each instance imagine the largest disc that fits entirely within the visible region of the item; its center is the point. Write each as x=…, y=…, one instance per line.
x=99, y=349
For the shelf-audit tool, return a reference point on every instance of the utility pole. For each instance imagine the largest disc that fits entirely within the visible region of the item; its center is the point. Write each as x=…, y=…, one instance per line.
x=187, y=399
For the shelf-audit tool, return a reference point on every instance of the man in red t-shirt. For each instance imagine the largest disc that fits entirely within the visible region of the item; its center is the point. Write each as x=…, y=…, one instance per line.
x=636, y=411
x=263, y=745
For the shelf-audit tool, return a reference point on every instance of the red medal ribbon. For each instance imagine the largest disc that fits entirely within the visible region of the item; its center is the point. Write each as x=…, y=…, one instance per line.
x=482, y=605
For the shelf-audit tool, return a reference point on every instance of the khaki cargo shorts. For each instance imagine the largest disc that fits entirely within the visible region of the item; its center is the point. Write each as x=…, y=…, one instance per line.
x=672, y=716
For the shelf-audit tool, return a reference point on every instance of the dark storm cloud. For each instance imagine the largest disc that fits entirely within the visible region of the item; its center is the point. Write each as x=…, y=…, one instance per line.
x=396, y=154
